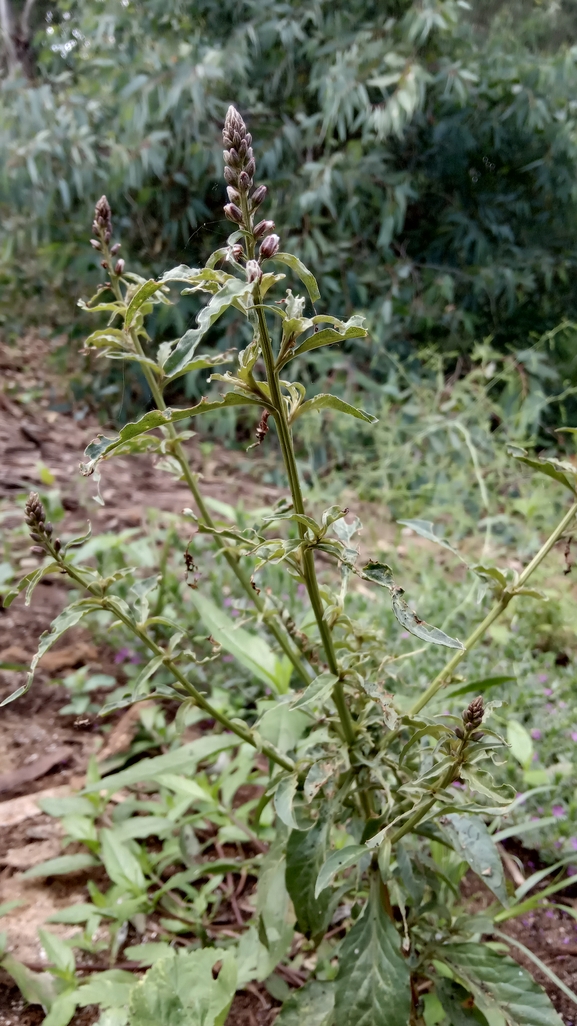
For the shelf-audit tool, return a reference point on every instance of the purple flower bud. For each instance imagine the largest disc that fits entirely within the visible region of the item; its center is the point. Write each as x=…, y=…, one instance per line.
x=262, y=228
x=250, y=168
x=114, y=249
x=258, y=196
x=95, y=244
x=253, y=270
x=233, y=194
x=230, y=175
x=244, y=181
x=233, y=213
x=269, y=247
x=120, y=265
x=104, y=264
x=235, y=252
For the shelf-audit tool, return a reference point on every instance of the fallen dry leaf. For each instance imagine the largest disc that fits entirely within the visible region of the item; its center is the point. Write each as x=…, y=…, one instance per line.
x=35, y=770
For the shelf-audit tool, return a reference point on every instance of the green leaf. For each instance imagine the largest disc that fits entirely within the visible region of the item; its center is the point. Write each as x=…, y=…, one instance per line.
x=373, y=984
x=57, y=952
x=520, y=742
x=274, y=908
x=284, y=798
x=560, y=470
x=328, y=337
x=185, y=759
x=305, y=855
x=73, y=914
x=66, y=619
x=233, y=290
x=473, y=843
x=62, y=1010
x=36, y=988
x=455, y=1002
x=483, y=782
x=320, y=688
x=180, y=990
x=101, y=447
x=107, y=989
x=479, y=686
x=122, y=866
x=312, y=1005
x=61, y=866
x=325, y=401
x=426, y=529
x=337, y=861
x=500, y=985
x=297, y=267
x=283, y=726
x=105, y=337
x=140, y=297
x=251, y=650
x=29, y=582
x=411, y=622
x=148, y=954
x=378, y=573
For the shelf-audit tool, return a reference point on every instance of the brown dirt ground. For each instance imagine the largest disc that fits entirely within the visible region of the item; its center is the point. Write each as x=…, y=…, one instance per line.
x=45, y=752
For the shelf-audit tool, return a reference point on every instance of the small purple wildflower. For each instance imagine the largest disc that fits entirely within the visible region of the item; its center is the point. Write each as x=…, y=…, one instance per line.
x=127, y=655
x=558, y=811
x=405, y=634
x=228, y=659
x=227, y=601
x=573, y=843
x=572, y=871
x=562, y=705
x=457, y=783
x=536, y=734
x=543, y=678
x=550, y=914
x=301, y=590
x=547, y=691
x=574, y=735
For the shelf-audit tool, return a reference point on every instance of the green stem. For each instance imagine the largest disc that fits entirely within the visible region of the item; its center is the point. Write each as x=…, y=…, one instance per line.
x=444, y=676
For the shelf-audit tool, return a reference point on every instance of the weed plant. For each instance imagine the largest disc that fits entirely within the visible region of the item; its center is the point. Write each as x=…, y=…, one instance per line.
x=374, y=801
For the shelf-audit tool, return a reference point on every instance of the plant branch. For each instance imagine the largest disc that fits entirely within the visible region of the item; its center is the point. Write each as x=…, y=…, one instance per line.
x=444, y=676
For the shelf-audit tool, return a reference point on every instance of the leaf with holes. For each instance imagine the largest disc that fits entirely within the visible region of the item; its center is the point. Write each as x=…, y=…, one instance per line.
x=473, y=843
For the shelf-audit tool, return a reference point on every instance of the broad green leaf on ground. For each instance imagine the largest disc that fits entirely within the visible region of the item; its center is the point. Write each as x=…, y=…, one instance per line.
x=62, y=1010
x=282, y=726
x=61, y=865
x=500, y=985
x=337, y=861
x=297, y=267
x=101, y=447
x=312, y=1005
x=251, y=650
x=107, y=989
x=233, y=289
x=373, y=984
x=474, y=844
x=36, y=988
x=306, y=851
x=324, y=401
x=184, y=759
x=180, y=990
x=122, y=866
x=273, y=905
x=57, y=951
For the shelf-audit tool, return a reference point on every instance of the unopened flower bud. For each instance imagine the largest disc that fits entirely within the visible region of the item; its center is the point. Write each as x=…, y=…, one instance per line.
x=233, y=213
x=104, y=264
x=460, y=733
x=230, y=175
x=262, y=228
x=251, y=167
x=236, y=251
x=57, y=544
x=258, y=196
x=115, y=248
x=233, y=194
x=102, y=217
x=36, y=550
x=244, y=181
x=477, y=735
x=269, y=247
x=95, y=244
x=473, y=714
x=120, y=265
x=253, y=271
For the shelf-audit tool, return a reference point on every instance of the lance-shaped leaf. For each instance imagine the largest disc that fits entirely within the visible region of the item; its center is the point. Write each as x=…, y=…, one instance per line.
x=104, y=338
x=181, y=355
x=426, y=529
x=140, y=297
x=373, y=984
x=284, y=797
x=478, y=686
x=297, y=267
x=101, y=448
x=560, y=470
x=500, y=986
x=29, y=582
x=67, y=618
x=251, y=651
x=306, y=850
x=474, y=844
x=381, y=574
x=337, y=861
x=312, y=1005
x=411, y=622
x=325, y=337
x=319, y=689
x=325, y=401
